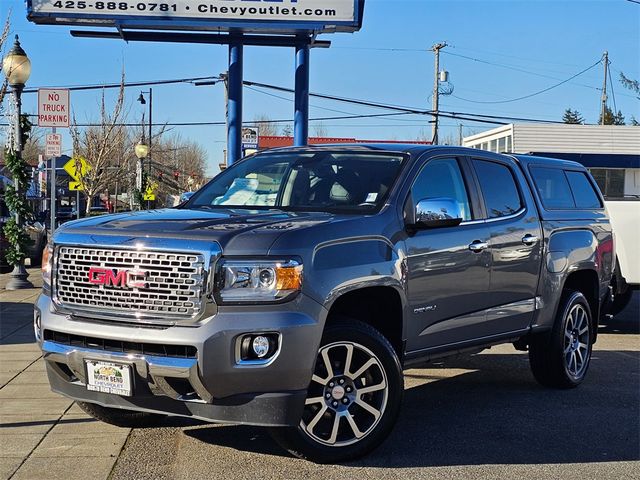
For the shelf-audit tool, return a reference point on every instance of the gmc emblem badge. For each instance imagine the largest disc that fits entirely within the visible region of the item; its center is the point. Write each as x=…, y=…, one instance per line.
x=117, y=278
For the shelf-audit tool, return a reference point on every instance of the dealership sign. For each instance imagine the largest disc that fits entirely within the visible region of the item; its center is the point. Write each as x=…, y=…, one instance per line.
x=276, y=16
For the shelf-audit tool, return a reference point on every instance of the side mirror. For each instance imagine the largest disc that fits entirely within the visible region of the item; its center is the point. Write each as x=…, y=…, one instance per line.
x=438, y=212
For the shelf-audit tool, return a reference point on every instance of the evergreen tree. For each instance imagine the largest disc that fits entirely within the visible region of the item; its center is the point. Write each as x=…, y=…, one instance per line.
x=630, y=83
x=611, y=118
x=572, y=116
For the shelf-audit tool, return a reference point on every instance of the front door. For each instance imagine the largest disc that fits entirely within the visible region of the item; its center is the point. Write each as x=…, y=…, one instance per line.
x=448, y=283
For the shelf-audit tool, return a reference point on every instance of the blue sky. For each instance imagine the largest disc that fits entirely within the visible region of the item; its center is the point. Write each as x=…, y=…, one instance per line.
x=523, y=46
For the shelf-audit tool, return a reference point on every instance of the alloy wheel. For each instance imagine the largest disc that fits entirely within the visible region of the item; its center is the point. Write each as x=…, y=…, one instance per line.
x=576, y=341
x=347, y=396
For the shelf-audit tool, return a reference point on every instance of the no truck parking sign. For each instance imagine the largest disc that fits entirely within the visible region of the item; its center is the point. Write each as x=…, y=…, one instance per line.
x=53, y=107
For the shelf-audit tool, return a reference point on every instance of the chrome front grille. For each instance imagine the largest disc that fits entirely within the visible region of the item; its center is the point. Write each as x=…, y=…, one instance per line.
x=172, y=286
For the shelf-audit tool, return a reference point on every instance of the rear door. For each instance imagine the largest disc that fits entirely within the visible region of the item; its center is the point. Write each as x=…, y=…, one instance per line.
x=516, y=243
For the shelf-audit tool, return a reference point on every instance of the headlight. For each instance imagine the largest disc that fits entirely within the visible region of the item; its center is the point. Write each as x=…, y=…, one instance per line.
x=47, y=263
x=249, y=281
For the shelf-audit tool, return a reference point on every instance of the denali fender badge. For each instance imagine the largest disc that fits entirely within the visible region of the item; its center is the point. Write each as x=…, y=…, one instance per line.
x=117, y=278
x=428, y=308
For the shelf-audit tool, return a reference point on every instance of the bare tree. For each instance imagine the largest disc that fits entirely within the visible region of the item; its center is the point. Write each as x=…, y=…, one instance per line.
x=287, y=130
x=264, y=123
x=3, y=39
x=34, y=145
x=320, y=130
x=105, y=147
x=178, y=166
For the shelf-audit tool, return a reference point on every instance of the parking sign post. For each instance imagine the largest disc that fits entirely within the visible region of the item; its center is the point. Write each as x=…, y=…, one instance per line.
x=52, y=201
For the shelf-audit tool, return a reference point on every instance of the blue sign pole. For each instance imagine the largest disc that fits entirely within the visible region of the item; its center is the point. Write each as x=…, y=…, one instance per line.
x=234, y=128
x=301, y=114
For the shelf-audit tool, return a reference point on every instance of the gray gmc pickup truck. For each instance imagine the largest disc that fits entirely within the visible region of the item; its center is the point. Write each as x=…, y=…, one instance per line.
x=292, y=290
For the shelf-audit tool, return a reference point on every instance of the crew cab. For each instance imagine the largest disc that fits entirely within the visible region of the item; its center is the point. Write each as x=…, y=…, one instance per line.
x=293, y=289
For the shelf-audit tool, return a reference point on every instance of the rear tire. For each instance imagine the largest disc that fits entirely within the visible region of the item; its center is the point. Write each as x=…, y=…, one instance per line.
x=353, y=399
x=560, y=358
x=120, y=417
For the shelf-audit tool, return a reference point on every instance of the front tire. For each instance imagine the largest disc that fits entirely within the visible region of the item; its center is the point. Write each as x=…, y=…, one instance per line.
x=120, y=417
x=560, y=358
x=353, y=399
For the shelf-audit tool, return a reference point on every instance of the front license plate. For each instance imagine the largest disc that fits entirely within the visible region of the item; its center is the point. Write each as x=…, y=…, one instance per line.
x=107, y=377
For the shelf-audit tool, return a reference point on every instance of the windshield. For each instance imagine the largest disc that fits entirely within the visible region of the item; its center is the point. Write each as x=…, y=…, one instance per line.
x=325, y=181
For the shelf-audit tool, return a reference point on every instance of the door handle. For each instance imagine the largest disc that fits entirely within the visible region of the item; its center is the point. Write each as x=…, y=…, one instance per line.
x=529, y=240
x=478, y=247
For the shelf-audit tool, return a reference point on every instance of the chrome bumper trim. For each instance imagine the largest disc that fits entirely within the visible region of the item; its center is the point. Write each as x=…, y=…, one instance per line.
x=158, y=368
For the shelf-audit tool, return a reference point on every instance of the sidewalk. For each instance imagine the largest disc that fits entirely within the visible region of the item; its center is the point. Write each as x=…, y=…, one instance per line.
x=42, y=434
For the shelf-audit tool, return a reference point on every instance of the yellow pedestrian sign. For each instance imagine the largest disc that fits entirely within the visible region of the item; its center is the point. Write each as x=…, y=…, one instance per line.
x=150, y=192
x=77, y=168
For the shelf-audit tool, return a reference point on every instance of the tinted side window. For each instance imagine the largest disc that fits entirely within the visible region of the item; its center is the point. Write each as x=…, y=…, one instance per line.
x=442, y=178
x=553, y=187
x=501, y=196
x=582, y=189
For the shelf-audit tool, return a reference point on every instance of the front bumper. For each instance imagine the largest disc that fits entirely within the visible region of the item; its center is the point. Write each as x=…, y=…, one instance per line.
x=213, y=386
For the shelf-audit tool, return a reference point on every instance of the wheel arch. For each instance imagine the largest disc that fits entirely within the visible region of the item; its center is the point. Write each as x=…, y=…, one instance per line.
x=587, y=282
x=381, y=307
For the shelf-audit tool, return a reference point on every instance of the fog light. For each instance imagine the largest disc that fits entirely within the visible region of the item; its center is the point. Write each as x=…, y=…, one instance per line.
x=37, y=324
x=257, y=347
x=260, y=346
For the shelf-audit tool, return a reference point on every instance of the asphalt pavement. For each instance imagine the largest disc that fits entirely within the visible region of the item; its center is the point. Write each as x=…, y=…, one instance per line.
x=478, y=416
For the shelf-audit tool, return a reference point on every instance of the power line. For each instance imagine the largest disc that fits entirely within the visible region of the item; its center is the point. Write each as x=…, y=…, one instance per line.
x=381, y=49
x=398, y=109
x=613, y=95
x=532, y=94
x=402, y=108
x=514, y=68
x=126, y=84
x=216, y=123
x=290, y=100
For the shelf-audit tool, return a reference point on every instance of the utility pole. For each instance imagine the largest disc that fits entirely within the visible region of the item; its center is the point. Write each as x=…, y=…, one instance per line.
x=436, y=84
x=460, y=134
x=603, y=109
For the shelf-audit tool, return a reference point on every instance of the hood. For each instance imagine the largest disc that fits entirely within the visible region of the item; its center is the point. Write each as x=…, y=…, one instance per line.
x=239, y=232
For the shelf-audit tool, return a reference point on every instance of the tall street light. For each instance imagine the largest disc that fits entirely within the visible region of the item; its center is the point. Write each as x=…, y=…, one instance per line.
x=17, y=68
x=143, y=101
x=141, y=150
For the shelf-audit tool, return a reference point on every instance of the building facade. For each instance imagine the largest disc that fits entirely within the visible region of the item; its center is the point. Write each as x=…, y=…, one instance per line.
x=610, y=152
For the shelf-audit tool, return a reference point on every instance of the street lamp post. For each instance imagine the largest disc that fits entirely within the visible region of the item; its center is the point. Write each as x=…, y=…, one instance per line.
x=141, y=151
x=143, y=101
x=17, y=68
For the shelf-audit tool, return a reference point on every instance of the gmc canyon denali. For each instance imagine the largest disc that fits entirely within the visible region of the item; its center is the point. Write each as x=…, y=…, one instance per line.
x=292, y=289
